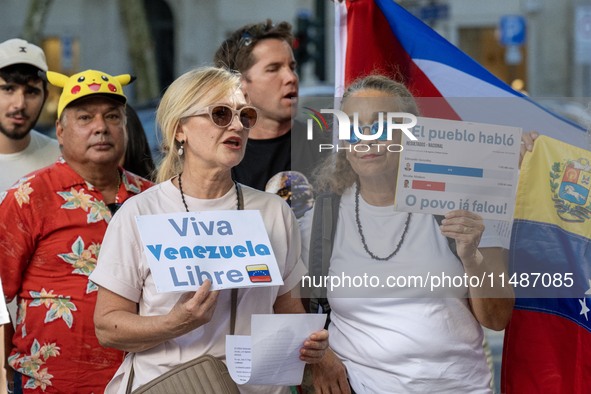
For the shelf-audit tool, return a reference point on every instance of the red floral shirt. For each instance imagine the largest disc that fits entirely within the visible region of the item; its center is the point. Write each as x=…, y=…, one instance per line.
x=52, y=224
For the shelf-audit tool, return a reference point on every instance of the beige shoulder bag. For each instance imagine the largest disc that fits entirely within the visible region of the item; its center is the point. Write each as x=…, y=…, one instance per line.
x=203, y=375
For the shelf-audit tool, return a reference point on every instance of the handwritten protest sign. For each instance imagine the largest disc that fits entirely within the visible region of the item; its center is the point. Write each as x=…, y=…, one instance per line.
x=230, y=248
x=459, y=165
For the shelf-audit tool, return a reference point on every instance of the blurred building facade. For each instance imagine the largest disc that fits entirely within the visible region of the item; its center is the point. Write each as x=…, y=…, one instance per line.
x=556, y=34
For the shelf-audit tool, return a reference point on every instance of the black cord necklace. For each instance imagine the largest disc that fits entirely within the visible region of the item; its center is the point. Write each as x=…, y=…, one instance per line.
x=360, y=231
x=114, y=206
x=238, y=194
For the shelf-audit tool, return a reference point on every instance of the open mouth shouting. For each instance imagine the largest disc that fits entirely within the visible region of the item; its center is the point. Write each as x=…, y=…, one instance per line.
x=233, y=142
x=291, y=95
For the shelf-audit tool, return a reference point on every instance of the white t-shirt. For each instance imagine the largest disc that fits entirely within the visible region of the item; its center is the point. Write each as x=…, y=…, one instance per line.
x=4, y=317
x=41, y=152
x=425, y=342
x=123, y=269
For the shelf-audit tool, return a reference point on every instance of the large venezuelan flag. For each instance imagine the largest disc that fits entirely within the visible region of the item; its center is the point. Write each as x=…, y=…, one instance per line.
x=547, y=342
x=380, y=35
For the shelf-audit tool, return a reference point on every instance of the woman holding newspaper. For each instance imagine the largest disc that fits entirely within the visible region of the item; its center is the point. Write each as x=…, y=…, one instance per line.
x=205, y=120
x=397, y=336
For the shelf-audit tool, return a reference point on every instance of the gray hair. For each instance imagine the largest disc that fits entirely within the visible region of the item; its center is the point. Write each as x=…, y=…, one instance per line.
x=335, y=174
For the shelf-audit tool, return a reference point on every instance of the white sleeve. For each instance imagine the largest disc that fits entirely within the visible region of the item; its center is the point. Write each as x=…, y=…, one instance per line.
x=121, y=266
x=4, y=316
x=305, y=223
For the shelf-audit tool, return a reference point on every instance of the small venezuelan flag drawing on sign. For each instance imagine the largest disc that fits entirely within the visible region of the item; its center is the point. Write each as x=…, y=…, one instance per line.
x=258, y=273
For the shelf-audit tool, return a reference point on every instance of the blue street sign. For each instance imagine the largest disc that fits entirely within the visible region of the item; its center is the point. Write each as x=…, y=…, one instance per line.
x=512, y=29
x=433, y=12
x=67, y=57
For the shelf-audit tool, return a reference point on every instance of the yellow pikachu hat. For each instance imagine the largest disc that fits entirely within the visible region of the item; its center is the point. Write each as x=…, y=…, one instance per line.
x=86, y=83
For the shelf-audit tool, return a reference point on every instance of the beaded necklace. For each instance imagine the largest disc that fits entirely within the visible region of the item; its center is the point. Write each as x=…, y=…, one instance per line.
x=238, y=194
x=360, y=231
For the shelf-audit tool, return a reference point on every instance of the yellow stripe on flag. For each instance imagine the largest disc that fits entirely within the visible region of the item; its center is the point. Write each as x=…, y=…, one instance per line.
x=554, y=186
x=258, y=267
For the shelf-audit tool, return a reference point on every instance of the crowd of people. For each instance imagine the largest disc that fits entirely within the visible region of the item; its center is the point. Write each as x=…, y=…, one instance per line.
x=90, y=318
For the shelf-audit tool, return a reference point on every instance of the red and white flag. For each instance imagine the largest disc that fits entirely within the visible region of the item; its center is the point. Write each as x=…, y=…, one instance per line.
x=381, y=36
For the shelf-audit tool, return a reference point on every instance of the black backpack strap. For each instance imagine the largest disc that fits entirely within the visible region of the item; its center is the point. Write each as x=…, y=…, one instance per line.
x=450, y=241
x=326, y=214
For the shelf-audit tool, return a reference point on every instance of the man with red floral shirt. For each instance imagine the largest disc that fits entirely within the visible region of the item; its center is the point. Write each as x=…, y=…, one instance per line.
x=52, y=224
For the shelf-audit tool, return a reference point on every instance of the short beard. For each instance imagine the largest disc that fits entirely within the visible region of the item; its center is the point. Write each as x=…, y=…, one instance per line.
x=17, y=133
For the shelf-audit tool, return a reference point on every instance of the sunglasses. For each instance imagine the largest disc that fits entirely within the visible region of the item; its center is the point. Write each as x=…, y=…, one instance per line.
x=251, y=35
x=222, y=115
x=374, y=128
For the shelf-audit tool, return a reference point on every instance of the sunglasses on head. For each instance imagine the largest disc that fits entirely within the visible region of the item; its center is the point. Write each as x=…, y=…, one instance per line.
x=373, y=128
x=253, y=33
x=222, y=115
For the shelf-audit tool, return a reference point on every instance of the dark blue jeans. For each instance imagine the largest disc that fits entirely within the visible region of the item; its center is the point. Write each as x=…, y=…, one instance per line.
x=18, y=383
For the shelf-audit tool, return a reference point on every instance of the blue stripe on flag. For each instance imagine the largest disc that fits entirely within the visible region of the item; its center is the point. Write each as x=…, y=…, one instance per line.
x=548, y=254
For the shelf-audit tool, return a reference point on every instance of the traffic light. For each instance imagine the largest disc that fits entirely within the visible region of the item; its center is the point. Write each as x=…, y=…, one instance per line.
x=309, y=41
x=301, y=43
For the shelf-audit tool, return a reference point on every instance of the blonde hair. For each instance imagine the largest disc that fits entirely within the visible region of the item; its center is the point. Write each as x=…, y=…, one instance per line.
x=195, y=89
x=335, y=174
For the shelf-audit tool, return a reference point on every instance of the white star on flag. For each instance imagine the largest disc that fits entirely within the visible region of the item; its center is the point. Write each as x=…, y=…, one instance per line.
x=584, y=308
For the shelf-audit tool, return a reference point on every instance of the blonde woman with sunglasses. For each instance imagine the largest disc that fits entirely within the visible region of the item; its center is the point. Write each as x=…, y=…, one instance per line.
x=204, y=119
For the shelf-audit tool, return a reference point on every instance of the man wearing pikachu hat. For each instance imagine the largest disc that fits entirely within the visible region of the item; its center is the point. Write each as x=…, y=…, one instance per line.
x=53, y=223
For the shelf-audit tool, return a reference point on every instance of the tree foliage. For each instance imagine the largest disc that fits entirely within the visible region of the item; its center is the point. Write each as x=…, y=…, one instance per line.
x=35, y=20
x=141, y=48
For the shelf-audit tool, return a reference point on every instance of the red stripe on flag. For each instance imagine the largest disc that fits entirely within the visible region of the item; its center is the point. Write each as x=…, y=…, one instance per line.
x=260, y=278
x=536, y=360
x=427, y=185
x=372, y=48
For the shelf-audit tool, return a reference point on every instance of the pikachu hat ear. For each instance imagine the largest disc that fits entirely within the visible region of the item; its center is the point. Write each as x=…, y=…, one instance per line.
x=87, y=83
x=124, y=79
x=56, y=79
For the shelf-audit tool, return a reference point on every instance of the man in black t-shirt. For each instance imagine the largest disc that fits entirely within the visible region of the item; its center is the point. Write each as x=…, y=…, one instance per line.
x=263, y=159
x=263, y=54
